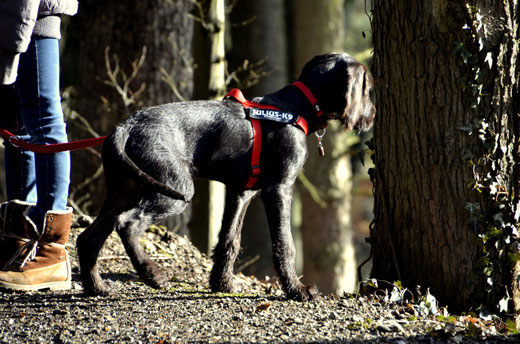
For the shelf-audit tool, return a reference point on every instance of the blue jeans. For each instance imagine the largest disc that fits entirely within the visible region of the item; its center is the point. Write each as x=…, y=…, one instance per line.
x=39, y=178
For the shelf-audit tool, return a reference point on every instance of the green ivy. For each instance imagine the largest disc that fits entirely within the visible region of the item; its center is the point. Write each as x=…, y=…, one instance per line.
x=494, y=218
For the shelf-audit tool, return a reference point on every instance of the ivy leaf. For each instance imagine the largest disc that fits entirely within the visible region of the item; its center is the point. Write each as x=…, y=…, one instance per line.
x=498, y=217
x=473, y=208
x=473, y=330
x=489, y=59
x=511, y=326
x=480, y=44
x=486, y=315
x=503, y=304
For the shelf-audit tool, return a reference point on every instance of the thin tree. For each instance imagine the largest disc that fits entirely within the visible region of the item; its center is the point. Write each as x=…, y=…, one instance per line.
x=329, y=258
x=265, y=24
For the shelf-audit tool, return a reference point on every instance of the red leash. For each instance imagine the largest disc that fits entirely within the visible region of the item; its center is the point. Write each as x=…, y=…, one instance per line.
x=51, y=148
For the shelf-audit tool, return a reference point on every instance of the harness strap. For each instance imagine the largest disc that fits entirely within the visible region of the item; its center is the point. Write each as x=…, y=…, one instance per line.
x=257, y=149
x=257, y=127
x=51, y=148
x=257, y=133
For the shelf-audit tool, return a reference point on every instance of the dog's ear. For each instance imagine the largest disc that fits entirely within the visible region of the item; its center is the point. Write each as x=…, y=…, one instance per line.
x=359, y=108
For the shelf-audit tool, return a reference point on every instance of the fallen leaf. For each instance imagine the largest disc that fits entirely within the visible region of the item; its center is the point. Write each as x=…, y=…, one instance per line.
x=263, y=307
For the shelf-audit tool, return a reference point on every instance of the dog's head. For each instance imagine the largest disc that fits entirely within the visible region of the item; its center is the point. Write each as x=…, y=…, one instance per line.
x=342, y=86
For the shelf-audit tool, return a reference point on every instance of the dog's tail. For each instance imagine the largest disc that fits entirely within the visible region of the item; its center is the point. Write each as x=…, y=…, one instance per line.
x=114, y=147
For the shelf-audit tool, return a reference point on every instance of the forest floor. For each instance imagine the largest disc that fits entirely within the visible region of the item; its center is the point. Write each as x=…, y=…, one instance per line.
x=187, y=312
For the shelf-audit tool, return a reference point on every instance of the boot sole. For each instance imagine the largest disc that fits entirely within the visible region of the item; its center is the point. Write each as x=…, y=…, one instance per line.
x=62, y=285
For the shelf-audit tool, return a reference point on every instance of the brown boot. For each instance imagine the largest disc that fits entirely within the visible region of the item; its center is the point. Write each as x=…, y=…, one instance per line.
x=41, y=260
x=12, y=224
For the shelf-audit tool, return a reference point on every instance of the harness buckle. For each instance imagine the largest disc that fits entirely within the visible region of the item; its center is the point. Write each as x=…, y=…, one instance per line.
x=255, y=171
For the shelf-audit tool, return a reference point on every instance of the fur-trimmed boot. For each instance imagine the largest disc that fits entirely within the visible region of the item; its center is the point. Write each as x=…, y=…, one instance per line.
x=11, y=226
x=41, y=260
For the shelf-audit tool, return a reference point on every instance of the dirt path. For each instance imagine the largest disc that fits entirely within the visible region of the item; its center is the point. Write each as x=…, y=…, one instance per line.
x=187, y=312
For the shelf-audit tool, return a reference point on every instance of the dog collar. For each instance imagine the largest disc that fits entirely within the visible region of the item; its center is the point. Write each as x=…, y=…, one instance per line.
x=315, y=106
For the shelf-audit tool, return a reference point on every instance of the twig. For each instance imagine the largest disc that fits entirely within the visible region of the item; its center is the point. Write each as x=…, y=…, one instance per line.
x=169, y=80
x=155, y=257
x=128, y=96
x=312, y=190
x=254, y=72
x=85, y=183
x=160, y=247
x=206, y=25
x=247, y=263
x=76, y=207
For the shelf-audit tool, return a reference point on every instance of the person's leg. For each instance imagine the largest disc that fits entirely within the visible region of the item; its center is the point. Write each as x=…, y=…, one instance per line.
x=39, y=233
x=42, y=117
x=19, y=164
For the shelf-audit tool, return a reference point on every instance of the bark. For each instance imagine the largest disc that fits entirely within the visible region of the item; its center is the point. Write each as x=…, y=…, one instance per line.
x=159, y=32
x=329, y=258
x=428, y=68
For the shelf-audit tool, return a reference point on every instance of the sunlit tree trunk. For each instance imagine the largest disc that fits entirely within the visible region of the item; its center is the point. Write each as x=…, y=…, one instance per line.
x=447, y=148
x=209, y=199
x=329, y=258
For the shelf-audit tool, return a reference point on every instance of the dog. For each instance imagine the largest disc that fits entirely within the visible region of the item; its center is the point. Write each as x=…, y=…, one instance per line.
x=150, y=159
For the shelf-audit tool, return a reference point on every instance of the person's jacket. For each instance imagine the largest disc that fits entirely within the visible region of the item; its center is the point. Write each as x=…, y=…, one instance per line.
x=19, y=20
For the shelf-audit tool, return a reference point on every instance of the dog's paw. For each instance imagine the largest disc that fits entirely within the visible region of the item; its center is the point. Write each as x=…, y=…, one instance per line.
x=222, y=286
x=97, y=289
x=303, y=293
x=157, y=281
x=153, y=276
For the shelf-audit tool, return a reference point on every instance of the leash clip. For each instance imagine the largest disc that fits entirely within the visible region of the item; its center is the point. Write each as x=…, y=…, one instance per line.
x=321, y=150
x=11, y=141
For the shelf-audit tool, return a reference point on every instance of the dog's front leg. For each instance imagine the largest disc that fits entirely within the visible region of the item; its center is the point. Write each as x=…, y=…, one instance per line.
x=228, y=246
x=277, y=202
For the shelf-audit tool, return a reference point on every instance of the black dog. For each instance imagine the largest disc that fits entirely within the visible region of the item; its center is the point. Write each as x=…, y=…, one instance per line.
x=150, y=158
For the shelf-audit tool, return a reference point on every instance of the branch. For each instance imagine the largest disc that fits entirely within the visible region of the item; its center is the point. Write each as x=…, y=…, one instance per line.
x=171, y=83
x=312, y=190
x=128, y=96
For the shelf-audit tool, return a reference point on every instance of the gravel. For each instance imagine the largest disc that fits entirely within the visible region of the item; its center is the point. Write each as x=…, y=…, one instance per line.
x=187, y=312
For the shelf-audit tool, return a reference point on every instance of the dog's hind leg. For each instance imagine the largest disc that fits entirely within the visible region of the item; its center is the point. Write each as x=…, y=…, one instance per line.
x=122, y=193
x=132, y=223
x=89, y=244
x=226, y=251
x=277, y=202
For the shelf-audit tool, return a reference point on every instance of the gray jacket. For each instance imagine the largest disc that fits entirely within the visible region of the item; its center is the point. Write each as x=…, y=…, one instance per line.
x=19, y=20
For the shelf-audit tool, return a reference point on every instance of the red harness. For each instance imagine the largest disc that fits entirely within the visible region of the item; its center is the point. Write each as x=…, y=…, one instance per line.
x=301, y=123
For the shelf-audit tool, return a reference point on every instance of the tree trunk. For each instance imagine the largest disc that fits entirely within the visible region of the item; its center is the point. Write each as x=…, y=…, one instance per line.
x=329, y=258
x=208, y=203
x=439, y=101
x=149, y=38
x=264, y=23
